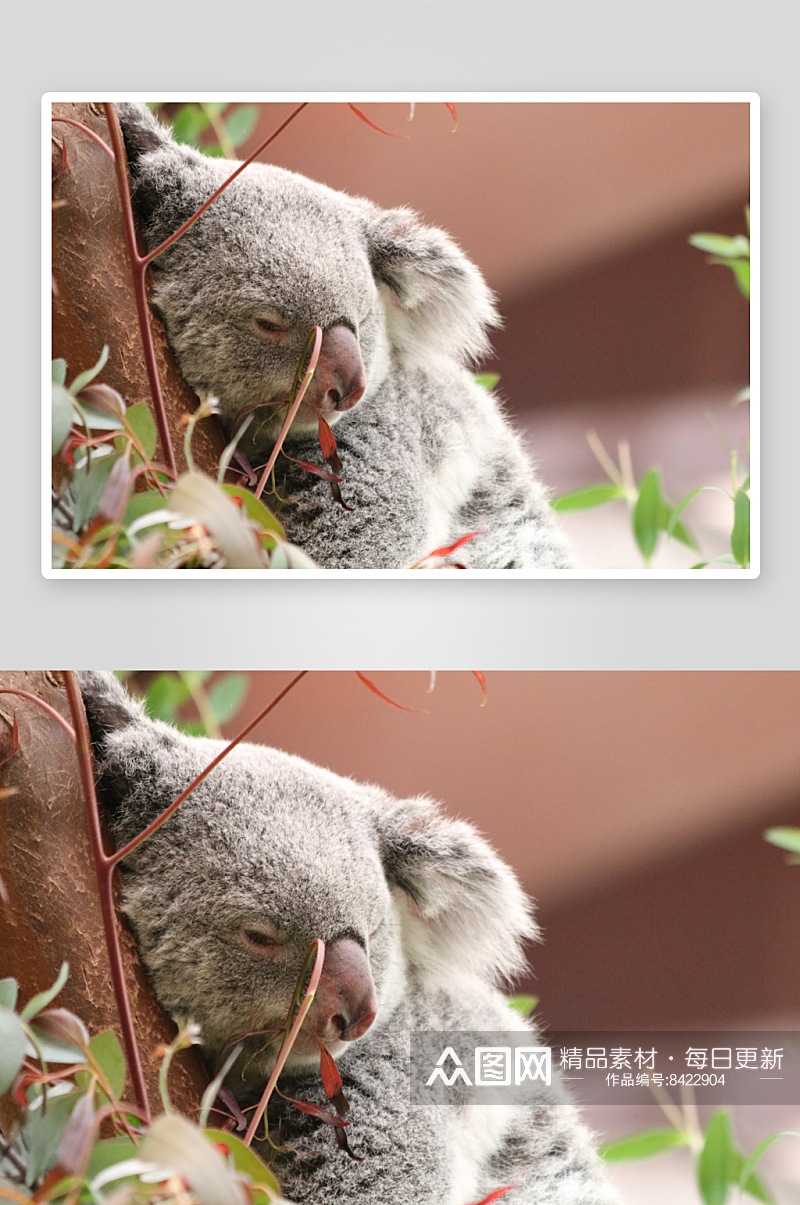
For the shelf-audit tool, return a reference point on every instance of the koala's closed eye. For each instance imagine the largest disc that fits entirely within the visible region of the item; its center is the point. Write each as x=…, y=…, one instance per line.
x=261, y=939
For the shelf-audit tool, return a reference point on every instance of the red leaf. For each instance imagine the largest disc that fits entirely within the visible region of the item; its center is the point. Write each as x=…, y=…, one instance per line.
x=316, y=469
x=371, y=686
x=337, y=496
x=78, y=1135
x=318, y=1111
x=495, y=1196
x=326, y=440
x=358, y=113
x=332, y=1081
x=341, y=1142
x=476, y=673
x=450, y=548
x=452, y=109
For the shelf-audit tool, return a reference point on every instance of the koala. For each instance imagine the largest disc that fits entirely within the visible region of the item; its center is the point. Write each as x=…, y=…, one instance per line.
x=427, y=454
x=422, y=922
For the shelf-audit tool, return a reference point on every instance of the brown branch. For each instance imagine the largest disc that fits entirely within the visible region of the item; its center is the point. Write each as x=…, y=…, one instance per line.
x=104, y=867
x=165, y=815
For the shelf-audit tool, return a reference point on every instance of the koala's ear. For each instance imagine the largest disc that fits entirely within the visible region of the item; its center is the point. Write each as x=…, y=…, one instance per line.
x=141, y=130
x=438, y=300
x=109, y=707
x=464, y=906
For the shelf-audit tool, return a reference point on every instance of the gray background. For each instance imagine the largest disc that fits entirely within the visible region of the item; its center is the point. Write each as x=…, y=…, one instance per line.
x=447, y=621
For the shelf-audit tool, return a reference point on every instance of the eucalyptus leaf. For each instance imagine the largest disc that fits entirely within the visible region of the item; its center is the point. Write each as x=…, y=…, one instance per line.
x=640, y=1146
x=784, y=838
x=83, y=378
x=648, y=513
x=59, y=372
x=12, y=1047
x=8, y=993
x=64, y=415
x=42, y=999
x=588, y=497
x=240, y=124
x=487, y=380
x=106, y=1052
x=524, y=1005
x=43, y=1131
x=226, y=696
x=740, y=536
x=141, y=422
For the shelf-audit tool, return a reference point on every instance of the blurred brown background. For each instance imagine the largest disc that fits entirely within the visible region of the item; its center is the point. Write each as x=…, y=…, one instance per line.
x=578, y=214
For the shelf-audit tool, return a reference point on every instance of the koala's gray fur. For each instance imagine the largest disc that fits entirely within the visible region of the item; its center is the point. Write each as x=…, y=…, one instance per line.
x=428, y=455
x=270, y=839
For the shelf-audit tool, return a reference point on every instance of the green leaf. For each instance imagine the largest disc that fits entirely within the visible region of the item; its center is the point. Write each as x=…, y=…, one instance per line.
x=64, y=415
x=142, y=504
x=188, y=123
x=12, y=1046
x=53, y=1050
x=59, y=371
x=487, y=380
x=240, y=124
x=746, y=1174
x=524, y=1005
x=719, y=1163
x=641, y=1146
x=226, y=696
x=648, y=513
x=42, y=999
x=107, y=1152
x=97, y=420
x=107, y=1053
x=587, y=497
x=43, y=1132
x=83, y=378
x=740, y=536
x=255, y=509
x=165, y=695
x=245, y=1160
x=87, y=488
x=723, y=245
x=784, y=838
x=8, y=993
x=741, y=270
x=141, y=422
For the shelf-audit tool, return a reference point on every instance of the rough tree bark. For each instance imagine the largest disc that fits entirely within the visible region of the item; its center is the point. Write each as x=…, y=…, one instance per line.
x=94, y=301
x=52, y=914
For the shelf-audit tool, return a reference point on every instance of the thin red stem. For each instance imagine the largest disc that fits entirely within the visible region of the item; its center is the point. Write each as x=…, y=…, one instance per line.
x=165, y=815
x=289, y=1041
x=69, y=121
x=104, y=867
x=301, y=389
x=51, y=711
x=191, y=221
x=138, y=267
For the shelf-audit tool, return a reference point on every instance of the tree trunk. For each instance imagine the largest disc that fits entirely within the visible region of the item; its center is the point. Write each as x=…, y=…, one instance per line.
x=93, y=302
x=53, y=914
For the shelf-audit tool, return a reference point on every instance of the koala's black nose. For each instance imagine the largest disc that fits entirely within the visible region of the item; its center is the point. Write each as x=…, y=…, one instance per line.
x=339, y=381
x=345, y=1003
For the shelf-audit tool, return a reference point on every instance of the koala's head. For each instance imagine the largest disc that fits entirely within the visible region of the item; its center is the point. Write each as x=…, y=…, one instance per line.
x=277, y=254
x=270, y=852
